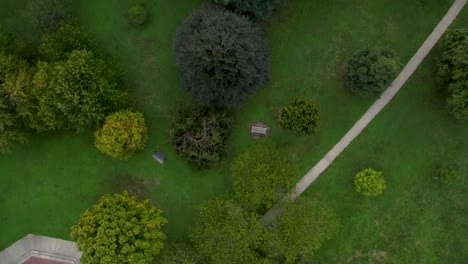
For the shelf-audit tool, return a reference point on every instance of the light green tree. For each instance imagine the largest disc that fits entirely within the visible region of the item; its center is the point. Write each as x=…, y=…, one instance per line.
x=262, y=176
x=369, y=182
x=299, y=231
x=119, y=229
x=122, y=134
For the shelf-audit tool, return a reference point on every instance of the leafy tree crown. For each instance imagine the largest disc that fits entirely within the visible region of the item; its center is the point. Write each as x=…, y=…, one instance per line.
x=122, y=134
x=368, y=72
x=221, y=57
x=119, y=229
x=300, y=116
x=369, y=182
x=200, y=135
x=452, y=74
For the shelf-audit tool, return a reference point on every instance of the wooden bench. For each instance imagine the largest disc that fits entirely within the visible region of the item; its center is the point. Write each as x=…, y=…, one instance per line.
x=159, y=157
x=259, y=130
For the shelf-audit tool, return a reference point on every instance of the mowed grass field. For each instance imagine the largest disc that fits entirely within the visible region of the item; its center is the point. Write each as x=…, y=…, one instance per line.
x=45, y=185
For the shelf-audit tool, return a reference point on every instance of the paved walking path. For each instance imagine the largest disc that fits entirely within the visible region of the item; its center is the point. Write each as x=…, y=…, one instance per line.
x=409, y=69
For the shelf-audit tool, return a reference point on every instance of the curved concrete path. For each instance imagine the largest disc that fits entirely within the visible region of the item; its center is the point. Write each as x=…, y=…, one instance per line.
x=384, y=99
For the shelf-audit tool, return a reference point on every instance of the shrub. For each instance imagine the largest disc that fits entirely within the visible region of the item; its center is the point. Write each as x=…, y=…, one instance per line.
x=368, y=72
x=262, y=176
x=255, y=8
x=221, y=57
x=47, y=15
x=122, y=134
x=119, y=229
x=200, y=135
x=299, y=231
x=446, y=173
x=57, y=45
x=11, y=45
x=137, y=15
x=369, y=182
x=300, y=116
x=79, y=92
x=453, y=72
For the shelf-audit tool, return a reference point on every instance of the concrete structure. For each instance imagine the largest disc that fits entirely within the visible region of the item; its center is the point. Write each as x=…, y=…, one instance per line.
x=34, y=249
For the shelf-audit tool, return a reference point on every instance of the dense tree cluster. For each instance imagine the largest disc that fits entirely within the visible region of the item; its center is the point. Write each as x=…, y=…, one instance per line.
x=56, y=46
x=300, y=116
x=254, y=8
x=369, y=182
x=453, y=72
x=368, y=72
x=200, y=135
x=228, y=229
x=64, y=86
x=122, y=134
x=79, y=92
x=119, y=229
x=222, y=57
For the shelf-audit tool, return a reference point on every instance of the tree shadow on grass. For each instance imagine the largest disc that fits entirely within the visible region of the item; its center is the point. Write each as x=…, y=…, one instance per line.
x=141, y=188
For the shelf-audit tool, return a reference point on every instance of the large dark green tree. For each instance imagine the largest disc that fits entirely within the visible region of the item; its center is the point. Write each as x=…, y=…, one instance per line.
x=77, y=93
x=119, y=229
x=200, y=135
x=226, y=233
x=255, y=8
x=368, y=72
x=222, y=57
x=262, y=176
x=453, y=72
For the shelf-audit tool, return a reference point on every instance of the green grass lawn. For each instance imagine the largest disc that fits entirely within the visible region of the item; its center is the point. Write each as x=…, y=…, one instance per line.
x=45, y=185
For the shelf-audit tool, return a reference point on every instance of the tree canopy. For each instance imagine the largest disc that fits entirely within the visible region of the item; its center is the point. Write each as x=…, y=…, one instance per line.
x=255, y=8
x=77, y=93
x=221, y=56
x=300, y=116
x=119, y=229
x=453, y=72
x=368, y=72
x=56, y=46
x=262, y=176
x=225, y=233
x=200, y=135
x=122, y=134
x=299, y=231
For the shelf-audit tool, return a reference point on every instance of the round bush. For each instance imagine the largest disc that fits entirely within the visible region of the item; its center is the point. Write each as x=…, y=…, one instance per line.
x=300, y=116
x=137, y=15
x=119, y=229
x=221, y=57
x=122, y=134
x=200, y=135
x=369, y=182
x=369, y=72
x=255, y=8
